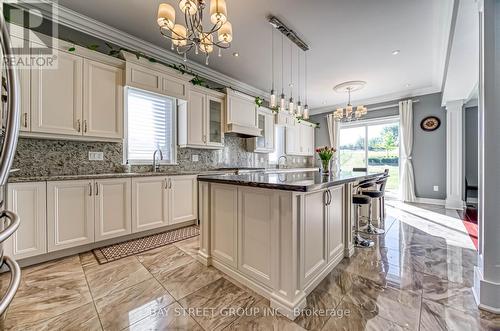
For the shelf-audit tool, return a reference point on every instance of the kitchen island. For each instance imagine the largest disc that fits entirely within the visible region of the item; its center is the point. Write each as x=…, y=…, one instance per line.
x=280, y=234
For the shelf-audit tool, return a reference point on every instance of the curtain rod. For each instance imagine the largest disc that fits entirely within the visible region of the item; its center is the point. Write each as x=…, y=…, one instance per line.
x=388, y=106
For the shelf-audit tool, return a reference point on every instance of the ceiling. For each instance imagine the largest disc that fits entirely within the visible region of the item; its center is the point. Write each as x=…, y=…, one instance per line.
x=349, y=40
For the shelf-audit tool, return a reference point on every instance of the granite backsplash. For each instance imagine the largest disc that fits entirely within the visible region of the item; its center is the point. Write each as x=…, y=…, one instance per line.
x=43, y=157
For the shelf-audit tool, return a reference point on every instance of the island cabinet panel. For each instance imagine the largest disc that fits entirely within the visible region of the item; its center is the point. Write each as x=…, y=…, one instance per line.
x=335, y=215
x=183, y=198
x=257, y=226
x=313, y=235
x=224, y=213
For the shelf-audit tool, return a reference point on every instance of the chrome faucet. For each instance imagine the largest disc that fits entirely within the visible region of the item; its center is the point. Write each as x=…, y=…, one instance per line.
x=286, y=160
x=156, y=166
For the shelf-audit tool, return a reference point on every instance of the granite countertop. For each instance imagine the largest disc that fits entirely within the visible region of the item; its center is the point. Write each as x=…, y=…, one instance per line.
x=297, y=181
x=20, y=179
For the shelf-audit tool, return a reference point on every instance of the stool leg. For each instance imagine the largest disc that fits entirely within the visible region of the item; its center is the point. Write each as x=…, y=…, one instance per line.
x=358, y=240
x=370, y=228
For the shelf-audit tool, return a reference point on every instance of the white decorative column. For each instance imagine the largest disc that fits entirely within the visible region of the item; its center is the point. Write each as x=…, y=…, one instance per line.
x=454, y=154
x=487, y=273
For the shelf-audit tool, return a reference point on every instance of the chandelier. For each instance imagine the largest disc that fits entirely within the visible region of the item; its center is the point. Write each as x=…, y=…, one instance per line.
x=350, y=113
x=191, y=34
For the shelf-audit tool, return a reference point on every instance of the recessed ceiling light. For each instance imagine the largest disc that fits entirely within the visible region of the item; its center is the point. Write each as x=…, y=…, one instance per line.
x=408, y=85
x=396, y=52
x=236, y=54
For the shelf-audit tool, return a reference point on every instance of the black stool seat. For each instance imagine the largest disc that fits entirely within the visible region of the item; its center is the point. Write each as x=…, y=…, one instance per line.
x=373, y=194
x=360, y=199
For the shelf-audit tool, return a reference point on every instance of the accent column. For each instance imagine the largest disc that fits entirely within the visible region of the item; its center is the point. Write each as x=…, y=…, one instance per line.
x=454, y=153
x=487, y=273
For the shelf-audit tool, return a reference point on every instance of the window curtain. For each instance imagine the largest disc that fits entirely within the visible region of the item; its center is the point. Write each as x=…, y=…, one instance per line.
x=407, y=178
x=333, y=131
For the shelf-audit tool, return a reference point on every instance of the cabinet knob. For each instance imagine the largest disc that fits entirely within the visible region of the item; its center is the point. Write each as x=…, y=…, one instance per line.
x=78, y=125
x=85, y=126
x=25, y=120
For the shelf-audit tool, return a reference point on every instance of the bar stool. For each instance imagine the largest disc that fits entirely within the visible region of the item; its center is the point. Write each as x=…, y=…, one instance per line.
x=381, y=187
x=374, y=194
x=360, y=200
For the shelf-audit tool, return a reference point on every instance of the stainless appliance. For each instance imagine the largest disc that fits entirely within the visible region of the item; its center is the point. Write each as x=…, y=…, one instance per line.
x=9, y=107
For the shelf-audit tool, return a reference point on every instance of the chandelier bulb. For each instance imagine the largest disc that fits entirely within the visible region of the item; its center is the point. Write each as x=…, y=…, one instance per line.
x=185, y=57
x=220, y=52
x=206, y=59
x=196, y=51
x=172, y=46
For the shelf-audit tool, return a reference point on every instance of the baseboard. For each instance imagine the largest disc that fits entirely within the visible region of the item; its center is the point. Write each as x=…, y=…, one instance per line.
x=430, y=201
x=486, y=293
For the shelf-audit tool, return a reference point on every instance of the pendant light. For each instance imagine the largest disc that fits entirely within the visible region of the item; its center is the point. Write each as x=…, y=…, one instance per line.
x=272, y=102
x=282, y=97
x=299, y=103
x=306, y=107
x=291, y=106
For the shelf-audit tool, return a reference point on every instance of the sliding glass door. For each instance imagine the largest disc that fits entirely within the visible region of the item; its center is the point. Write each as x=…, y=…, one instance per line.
x=372, y=144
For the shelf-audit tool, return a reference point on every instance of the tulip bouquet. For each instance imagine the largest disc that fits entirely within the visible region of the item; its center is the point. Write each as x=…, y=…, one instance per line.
x=325, y=154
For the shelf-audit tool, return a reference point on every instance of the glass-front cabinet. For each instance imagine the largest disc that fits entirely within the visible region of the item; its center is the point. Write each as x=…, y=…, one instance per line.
x=215, y=123
x=265, y=122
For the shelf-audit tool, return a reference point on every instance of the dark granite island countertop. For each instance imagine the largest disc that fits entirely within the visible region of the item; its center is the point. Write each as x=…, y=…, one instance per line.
x=298, y=181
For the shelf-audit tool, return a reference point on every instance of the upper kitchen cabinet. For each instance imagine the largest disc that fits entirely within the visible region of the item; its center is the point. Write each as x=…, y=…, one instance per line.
x=102, y=100
x=24, y=85
x=200, y=120
x=241, y=115
x=299, y=138
x=56, y=97
x=80, y=98
x=264, y=143
x=155, y=77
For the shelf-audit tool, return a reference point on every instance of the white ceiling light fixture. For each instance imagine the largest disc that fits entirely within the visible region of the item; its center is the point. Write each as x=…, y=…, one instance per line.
x=191, y=34
x=282, y=96
x=291, y=105
x=306, y=107
x=299, y=102
x=272, y=102
x=348, y=113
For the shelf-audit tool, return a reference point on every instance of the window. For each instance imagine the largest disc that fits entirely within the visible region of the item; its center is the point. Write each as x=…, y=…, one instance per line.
x=279, y=142
x=150, y=126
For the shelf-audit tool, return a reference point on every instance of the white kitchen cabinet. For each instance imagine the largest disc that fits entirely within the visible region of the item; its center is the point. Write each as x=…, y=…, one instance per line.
x=201, y=119
x=264, y=143
x=256, y=229
x=292, y=137
x=102, y=100
x=150, y=203
x=299, y=138
x=56, y=96
x=224, y=230
x=70, y=214
x=241, y=114
x=306, y=140
x=112, y=208
x=24, y=86
x=28, y=200
x=183, y=198
x=335, y=224
x=313, y=235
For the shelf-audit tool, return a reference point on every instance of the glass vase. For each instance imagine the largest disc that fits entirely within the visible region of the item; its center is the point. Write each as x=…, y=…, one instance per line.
x=325, y=166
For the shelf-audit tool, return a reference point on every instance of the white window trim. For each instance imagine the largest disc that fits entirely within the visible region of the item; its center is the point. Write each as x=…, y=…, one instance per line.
x=125, y=131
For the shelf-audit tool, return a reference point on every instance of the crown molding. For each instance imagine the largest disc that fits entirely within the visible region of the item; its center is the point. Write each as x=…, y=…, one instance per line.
x=85, y=24
x=384, y=98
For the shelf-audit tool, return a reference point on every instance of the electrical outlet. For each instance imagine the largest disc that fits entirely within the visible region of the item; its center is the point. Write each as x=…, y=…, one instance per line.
x=195, y=158
x=96, y=156
x=436, y=188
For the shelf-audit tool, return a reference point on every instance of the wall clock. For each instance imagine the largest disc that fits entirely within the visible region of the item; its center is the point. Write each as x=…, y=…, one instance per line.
x=430, y=123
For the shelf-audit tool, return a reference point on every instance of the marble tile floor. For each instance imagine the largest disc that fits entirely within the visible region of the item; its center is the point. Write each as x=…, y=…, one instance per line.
x=417, y=277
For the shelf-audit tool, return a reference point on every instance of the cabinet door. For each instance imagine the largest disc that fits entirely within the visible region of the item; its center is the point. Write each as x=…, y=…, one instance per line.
x=241, y=111
x=28, y=200
x=269, y=129
x=257, y=230
x=224, y=208
x=174, y=87
x=336, y=223
x=112, y=208
x=292, y=139
x=195, y=118
x=143, y=78
x=56, y=97
x=70, y=214
x=149, y=203
x=183, y=198
x=261, y=124
x=313, y=235
x=214, y=121
x=102, y=100
x=24, y=86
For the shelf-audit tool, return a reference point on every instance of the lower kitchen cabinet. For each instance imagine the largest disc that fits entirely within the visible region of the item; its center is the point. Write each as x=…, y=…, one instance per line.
x=70, y=214
x=150, y=207
x=183, y=198
x=335, y=224
x=28, y=200
x=112, y=208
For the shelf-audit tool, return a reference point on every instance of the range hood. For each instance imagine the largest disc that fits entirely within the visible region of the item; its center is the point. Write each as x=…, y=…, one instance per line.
x=241, y=115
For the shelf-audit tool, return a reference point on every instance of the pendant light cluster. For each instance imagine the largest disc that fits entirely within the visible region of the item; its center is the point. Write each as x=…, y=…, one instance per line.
x=289, y=105
x=191, y=34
